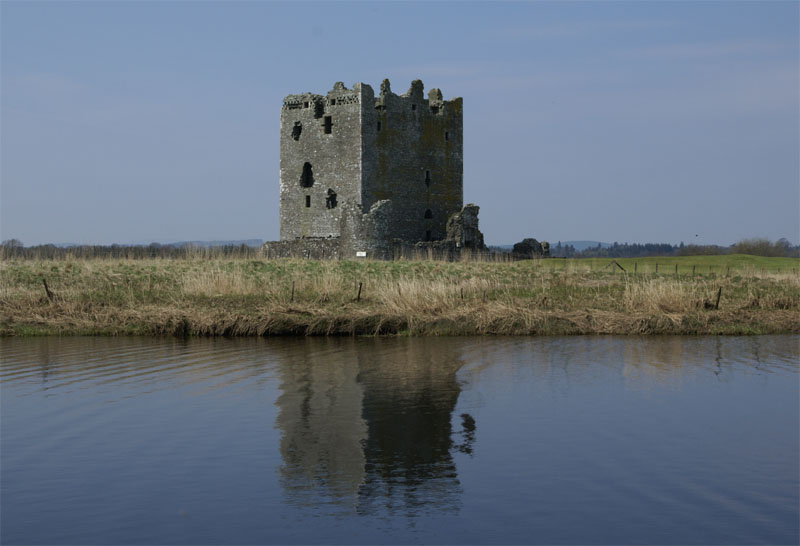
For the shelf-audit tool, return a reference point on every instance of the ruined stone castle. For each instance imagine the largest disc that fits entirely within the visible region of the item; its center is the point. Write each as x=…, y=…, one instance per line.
x=372, y=176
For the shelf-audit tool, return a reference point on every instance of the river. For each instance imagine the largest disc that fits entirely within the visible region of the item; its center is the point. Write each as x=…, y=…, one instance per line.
x=563, y=440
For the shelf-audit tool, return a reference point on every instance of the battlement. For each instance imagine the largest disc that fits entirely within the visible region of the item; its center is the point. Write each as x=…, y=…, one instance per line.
x=298, y=102
x=340, y=95
x=414, y=99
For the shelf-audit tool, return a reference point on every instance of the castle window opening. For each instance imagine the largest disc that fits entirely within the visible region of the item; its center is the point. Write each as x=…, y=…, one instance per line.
x=333, y=102
x=308, y=201
x=296, y=130
x=427, y=178
x=379, y=126
x=413, y=106
x=305, y=105
x=428, y=235
x=446, y=136
x=428, y=214
x=330, y=201
x=307, y=178
x=434, y=109
x=328, y=125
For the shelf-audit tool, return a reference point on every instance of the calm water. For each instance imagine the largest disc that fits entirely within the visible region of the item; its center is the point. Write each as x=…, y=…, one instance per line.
x=462, y=440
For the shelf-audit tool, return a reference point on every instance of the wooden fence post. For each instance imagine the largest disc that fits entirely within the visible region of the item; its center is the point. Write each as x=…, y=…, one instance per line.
x=47, y=290
x=358, y=297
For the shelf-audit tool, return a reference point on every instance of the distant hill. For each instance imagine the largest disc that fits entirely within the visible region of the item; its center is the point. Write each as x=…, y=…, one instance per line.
x=180, y=244
x=238, y=242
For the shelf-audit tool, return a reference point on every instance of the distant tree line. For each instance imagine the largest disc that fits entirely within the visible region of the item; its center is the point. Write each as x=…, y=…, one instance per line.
x=756, y=247
x=763, y=247
x=13, y=248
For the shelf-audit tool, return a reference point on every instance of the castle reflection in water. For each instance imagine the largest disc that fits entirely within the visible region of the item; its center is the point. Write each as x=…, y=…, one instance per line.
x=370, y=430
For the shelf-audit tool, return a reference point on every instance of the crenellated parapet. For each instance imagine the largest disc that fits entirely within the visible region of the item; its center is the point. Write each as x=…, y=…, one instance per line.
x=340, y=95
x=414, y=99
x=307, y=102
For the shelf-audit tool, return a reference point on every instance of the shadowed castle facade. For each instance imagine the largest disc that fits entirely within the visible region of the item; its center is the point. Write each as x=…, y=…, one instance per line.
x=366, y=175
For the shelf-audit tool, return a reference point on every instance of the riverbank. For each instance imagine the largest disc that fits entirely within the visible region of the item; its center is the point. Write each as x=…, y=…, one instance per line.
x=244, y=297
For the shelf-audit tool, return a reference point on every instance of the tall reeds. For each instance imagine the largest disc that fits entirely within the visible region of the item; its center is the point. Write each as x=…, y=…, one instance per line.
x=256, y=296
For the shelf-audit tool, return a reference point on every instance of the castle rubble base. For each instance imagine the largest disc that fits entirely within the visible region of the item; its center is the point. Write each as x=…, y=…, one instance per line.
x=368, y=235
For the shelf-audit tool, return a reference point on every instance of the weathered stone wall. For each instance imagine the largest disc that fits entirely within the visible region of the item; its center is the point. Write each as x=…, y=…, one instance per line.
x=325, y=133
x=314, y=248
x=369, y=233
x=462, y=228
x=413, y=155
x=530, y=248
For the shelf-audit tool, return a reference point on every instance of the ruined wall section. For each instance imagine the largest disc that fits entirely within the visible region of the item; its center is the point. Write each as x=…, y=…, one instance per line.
x=368, y=232
x=413, y=155
x=320, y=160
x=462, y=228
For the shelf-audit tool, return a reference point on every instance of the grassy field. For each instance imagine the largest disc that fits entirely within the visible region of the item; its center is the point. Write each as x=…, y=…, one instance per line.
x=740, y=264
x=306, y=297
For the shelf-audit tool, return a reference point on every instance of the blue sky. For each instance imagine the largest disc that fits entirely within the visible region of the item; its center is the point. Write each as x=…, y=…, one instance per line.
x=613, y=121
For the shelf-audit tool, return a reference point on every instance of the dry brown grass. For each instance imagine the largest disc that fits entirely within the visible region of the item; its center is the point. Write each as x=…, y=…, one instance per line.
x=255, y=297
x=664, y=295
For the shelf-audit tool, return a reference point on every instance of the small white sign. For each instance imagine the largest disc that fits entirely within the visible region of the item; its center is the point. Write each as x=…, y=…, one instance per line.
x=361, y=254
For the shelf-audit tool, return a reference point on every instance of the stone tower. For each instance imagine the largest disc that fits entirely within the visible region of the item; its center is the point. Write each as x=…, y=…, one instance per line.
x=349, y=148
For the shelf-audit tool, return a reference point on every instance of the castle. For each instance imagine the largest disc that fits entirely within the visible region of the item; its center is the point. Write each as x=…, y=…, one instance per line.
x=366, y=175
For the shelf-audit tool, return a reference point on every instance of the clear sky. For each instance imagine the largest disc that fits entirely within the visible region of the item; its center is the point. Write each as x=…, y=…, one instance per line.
x=611, y=121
